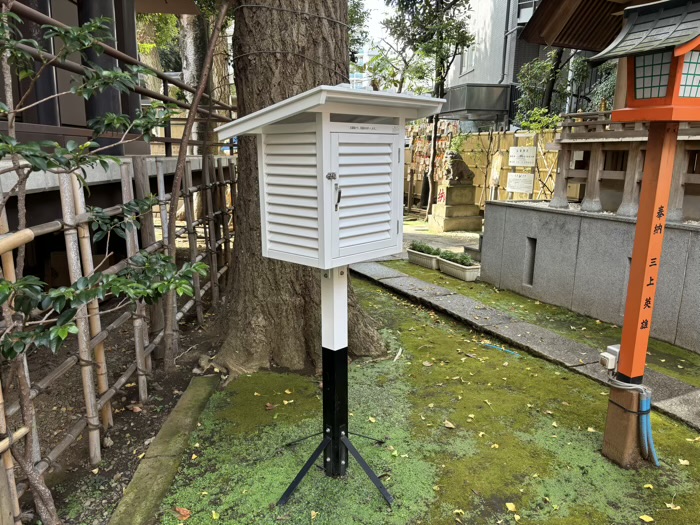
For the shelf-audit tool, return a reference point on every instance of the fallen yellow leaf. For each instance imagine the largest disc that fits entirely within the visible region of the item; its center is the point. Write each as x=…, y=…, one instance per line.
x=194, y=456
x=314, y=515
x=646, y=519
x=684, y=462
x=517, y=517
x=673, y=506
x=95, y=471
x=511, y=507
x=495, y=445
x=256, y=394
x=140, y=456
x=214, y=515
x=288, y=391
x=449, y=424
x=372, y=419
x=591, y=429
x=649, y=486
x=458, y=512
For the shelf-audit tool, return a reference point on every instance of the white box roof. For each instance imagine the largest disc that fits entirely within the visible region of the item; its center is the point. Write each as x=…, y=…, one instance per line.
x=403, y=105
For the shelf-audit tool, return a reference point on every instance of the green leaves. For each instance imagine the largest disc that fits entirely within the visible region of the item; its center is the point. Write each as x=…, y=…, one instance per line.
x=148, y=277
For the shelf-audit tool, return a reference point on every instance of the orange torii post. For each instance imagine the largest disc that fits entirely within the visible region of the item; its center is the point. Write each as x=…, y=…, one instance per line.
x=660, y=45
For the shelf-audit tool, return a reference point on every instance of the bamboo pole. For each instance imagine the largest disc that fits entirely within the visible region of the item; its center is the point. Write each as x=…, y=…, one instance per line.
x=170, y=329
x=18, y=434
x=212, y=237
x=224, y=207
x=7, y=461
x=93, y=307
x=148, y=237
x=132, y=249
x=65, y=187
x=192, y=238
x=8, y=270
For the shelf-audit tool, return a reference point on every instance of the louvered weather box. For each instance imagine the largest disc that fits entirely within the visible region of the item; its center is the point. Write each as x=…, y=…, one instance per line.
x=331, y=173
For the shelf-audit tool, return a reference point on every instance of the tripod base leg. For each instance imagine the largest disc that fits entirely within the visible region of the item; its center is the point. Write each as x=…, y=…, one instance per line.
x=304, y=470
x=372, y=476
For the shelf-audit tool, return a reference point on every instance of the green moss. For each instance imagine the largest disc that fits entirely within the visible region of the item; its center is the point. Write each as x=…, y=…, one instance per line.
x=445, y=374
x=663, y=357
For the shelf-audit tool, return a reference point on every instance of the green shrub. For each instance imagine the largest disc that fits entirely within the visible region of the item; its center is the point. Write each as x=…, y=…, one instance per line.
x=459, y=258
x=421, y=247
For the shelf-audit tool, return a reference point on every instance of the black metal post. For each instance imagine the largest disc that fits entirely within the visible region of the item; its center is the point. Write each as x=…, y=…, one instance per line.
x=168, y=126
x=335, y=444
x=335, y=409
x=109, y=101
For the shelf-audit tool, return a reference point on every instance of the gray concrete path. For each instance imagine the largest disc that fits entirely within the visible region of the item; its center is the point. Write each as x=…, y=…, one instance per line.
x=670, y=396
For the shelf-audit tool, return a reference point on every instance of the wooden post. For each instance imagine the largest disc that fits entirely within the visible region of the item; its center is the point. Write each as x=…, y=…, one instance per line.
x=148, y=237
x=132, y=248
x=65, y=186
x=212, y=237
x=226, y=216
x=93, y=307
x=192, y=238
x=591, y=200
x=646, y=255
x=633, y=176
x=620, y=440
x=680, y=168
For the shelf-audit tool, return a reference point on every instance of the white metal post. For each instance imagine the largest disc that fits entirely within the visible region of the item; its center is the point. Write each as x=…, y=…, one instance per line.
x=334, y=308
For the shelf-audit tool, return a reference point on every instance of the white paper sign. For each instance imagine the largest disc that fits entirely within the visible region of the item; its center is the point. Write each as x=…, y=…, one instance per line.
x=525, y=156
x=521, y=182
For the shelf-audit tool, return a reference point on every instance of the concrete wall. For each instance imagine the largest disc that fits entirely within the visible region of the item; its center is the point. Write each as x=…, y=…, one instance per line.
x=581, y=261
x=488, y=25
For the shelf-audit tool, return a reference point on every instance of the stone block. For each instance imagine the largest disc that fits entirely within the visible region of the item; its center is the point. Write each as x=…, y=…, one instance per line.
x=602, y=269
x=374, y=270
x=458, y=210
x=451, y=224
x=685, y=407
x=621, y=437
x=457, y=194
x=492, y=243
x=546, y=244
x=415, y=288
x=546, y=343
x=688, y=332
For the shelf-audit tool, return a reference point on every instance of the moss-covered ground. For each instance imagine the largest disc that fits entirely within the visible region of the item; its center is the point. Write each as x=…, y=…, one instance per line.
x=526, y=432
x=663, y=357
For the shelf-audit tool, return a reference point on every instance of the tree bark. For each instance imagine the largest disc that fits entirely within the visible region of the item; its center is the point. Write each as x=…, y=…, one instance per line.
x=552, y=80
x=193, y=48
x=275, y=317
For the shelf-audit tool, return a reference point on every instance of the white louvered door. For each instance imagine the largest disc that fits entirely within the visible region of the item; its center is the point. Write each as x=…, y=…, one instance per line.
x=365, y=205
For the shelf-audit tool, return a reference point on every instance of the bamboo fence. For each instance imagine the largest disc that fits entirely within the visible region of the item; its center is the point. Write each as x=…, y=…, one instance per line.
x=217, y=179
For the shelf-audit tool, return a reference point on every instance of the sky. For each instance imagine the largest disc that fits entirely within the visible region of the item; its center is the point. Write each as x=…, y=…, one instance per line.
x=378, y=11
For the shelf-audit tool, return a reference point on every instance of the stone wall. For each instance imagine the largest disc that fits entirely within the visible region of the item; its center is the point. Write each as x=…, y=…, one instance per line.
x=581, y=261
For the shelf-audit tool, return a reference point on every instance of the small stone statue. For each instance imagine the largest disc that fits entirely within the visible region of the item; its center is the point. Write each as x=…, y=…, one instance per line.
x=457, y=171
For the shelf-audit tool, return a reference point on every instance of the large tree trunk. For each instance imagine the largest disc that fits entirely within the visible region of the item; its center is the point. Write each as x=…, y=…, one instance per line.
x=193, y=48
x=274, y=306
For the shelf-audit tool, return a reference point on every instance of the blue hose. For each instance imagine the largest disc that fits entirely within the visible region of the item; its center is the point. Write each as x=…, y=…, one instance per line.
x=643, y=435
x=646, y=407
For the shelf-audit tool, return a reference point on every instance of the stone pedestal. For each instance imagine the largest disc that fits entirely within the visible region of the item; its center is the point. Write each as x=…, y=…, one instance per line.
x=455, y=209
x=621, y=438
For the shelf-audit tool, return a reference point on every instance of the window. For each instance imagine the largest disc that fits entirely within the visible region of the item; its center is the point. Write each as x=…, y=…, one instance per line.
x=690, y=81
x=651, y=74
x=468, y=59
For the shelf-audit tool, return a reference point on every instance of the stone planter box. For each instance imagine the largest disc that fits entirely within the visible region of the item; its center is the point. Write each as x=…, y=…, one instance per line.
x=423, y=259
x=465, y=273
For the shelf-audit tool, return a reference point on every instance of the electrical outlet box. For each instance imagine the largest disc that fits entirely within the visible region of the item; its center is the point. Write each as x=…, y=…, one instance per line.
x=610, y=357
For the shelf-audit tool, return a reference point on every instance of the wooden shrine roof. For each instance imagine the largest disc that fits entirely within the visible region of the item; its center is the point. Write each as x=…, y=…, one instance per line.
x=661, y=26
x=590, y=25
